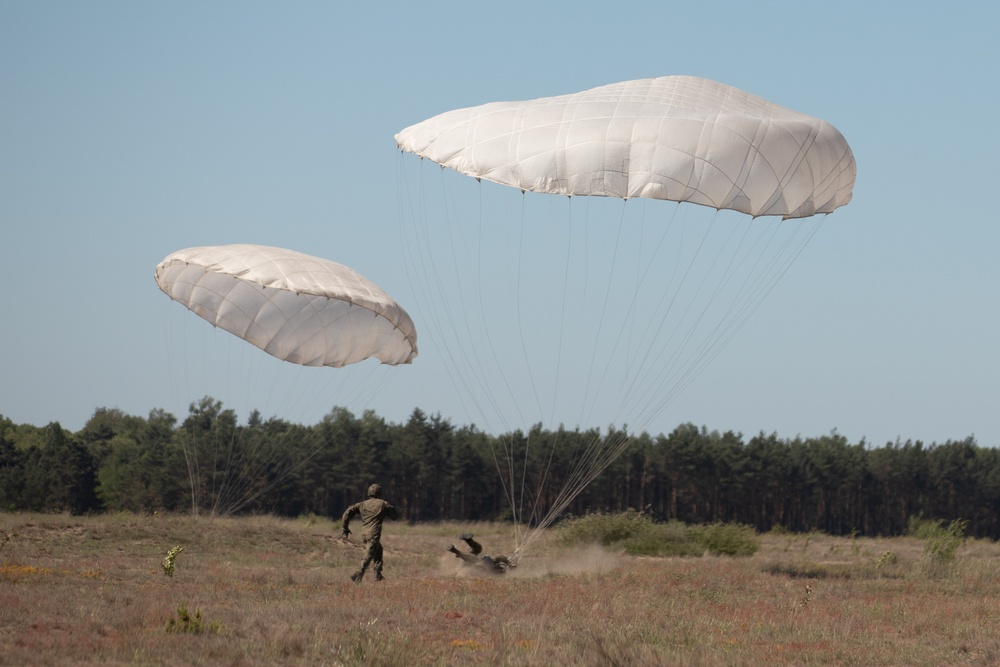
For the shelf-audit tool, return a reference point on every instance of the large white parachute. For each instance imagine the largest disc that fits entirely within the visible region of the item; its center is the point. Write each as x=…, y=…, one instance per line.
x=680, y=138
x=298, y=308
x=547, y=312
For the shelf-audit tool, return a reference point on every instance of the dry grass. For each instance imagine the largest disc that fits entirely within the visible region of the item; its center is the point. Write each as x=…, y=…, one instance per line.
x=79, y=591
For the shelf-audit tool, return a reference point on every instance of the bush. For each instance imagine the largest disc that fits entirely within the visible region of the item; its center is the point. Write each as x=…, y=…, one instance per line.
x=604, y=529
x=922, y=528
x=943, y=543
x=638, y=535
x=673, y=538
x=729, y=539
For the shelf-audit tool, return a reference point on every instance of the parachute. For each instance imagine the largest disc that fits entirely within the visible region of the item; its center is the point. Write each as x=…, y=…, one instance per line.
x=679, y=138
x=295, y=307
x=299, y=309
x=628, y=315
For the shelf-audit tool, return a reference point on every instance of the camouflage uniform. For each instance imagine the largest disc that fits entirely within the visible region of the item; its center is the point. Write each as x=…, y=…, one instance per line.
x=494, y=565
x=373, y=511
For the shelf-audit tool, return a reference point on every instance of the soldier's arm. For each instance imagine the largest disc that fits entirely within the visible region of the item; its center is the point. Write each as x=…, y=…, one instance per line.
x=391, y=512
x=350, y=512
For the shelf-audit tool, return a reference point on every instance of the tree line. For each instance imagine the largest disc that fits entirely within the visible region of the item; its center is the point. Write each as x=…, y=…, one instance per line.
x=434, y=470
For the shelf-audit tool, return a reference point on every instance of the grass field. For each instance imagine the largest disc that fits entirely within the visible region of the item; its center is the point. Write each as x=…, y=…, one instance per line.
x=266, y=591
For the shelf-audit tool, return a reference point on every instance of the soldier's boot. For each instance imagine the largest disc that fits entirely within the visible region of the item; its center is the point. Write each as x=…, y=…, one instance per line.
x=476, y=547
x=378, y=575
x=356, y=577
x=455, y=551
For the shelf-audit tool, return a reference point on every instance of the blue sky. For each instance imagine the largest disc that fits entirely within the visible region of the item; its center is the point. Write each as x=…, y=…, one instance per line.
x=130, y=130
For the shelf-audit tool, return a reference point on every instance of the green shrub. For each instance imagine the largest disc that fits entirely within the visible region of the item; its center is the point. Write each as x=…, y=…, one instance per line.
x=922, y=528
x=638, y=535
x=944, y=542
x=663, y=539
x=729, y=539
x=604, y=529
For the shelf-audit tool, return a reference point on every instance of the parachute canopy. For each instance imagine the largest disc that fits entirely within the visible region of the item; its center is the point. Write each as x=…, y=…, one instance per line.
x=679, y=138
x=298, y=308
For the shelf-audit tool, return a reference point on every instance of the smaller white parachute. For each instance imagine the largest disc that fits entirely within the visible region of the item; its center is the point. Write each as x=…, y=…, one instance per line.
x=296, y=307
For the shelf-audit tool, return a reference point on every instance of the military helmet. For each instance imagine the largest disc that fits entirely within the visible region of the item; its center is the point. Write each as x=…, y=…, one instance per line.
x=374, y=491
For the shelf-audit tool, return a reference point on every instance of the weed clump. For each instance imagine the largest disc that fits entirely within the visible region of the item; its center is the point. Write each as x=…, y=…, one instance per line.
x=942, y=543
x=191, y=624
x=638, y=535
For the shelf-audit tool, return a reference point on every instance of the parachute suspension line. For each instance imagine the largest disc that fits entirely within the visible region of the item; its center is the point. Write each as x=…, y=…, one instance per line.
x=518, y=286
x=684, y=365
x=518, y=511
x=459, y=248
x=509, y=480
x=630, y=316
x=190, y=461
x=465, y=363
x=646, y=342
x=596, y=455
x=677, y=359
x=591, y=400
x=425, y=277
x=661, y=313
x=562, y=310
x=601, y=452
x=421, y=273
x=240, y=460
x=559, y=348
x=582, y=468
x=641, y=281
x=788, y=253
x=479, y=368
x=758, y=283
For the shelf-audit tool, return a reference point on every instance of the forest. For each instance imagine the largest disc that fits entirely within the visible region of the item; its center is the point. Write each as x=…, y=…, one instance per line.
x=433, y=470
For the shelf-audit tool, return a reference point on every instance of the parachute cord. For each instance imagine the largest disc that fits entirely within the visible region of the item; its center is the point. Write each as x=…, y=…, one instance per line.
x=426, y=275
x=518, y=285
x=758, y=284
x=432, y=290
x=677, y=358
x=562, y=310
x=683, y=369
x=561, y=338
x=524, y=347
x=589, y=401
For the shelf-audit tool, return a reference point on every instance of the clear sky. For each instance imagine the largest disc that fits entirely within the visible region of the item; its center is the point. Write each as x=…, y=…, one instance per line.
x=130, y=130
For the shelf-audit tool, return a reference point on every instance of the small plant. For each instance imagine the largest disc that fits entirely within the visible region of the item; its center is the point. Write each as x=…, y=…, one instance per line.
x=855, y=547
x=944, y=542
x=168, y=562
x=807, y=597
x=189, y=624
x=4, y=539
x=886, y=558
x=361, y=645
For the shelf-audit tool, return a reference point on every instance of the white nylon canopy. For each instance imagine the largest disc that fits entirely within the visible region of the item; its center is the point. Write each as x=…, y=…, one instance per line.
x=298, y=308
x=680, y=138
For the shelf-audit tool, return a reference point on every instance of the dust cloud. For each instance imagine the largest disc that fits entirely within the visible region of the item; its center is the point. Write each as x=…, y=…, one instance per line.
x=587, y=560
